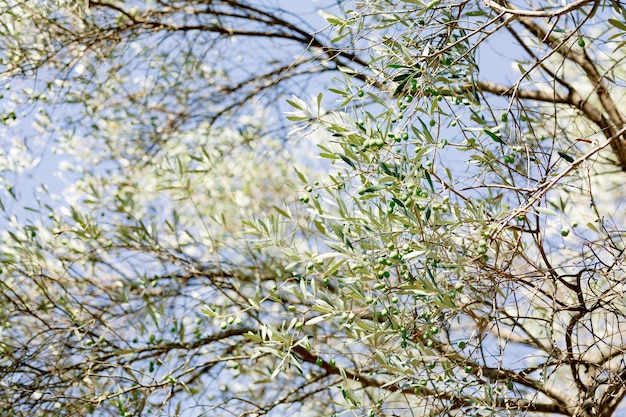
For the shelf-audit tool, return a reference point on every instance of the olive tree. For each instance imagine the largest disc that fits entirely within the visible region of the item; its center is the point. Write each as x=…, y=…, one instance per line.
x=155, y=130
x=420, y=235
x=473, y=233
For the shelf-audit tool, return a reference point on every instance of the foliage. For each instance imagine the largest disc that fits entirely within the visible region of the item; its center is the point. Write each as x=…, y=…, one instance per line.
x=457, y=249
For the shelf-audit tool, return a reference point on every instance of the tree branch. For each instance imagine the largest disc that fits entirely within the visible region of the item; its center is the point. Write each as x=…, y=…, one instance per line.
x=592, y=73
x=536, y=13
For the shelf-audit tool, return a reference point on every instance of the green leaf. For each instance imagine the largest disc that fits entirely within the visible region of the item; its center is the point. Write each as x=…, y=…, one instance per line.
x=547, y=211
x=300, y=175
x=332, y=19
x=374, y=188
x=297, y=118
x=282, y=212
x=618, y=24
x=493, y=136
x=396, y=66
x=318, y=319
x=295, y=104
x=377, y=99
x=340, y=37
x=476, y=13
x=152, y=313
x=565, y=156
x=337, y=91
x=592, y=227
x=347, y=160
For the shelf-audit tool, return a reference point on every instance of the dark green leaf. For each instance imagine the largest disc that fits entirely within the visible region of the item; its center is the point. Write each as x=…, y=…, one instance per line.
x=618, y=24
x=493, y=136
x=565, y=156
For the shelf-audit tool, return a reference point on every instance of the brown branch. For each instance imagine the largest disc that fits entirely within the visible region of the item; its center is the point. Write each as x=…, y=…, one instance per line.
x=537, y=13
x=543, y=190
x=583, y=60
x=562, y=403
x=524, y=94
x=613, y=396
x=573, y=99
x=455, y=401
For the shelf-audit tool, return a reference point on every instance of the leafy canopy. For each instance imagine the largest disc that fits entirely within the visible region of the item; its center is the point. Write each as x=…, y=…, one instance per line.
x=435, y=227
